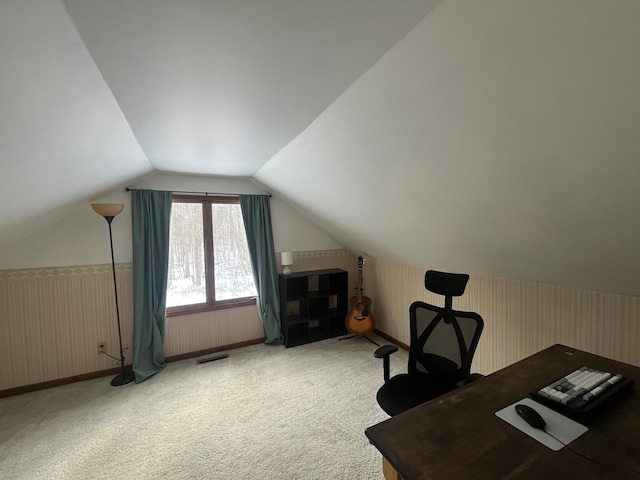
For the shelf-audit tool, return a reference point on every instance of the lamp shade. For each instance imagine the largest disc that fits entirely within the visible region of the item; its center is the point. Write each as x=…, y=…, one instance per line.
x=286, y=258
x=107, y=209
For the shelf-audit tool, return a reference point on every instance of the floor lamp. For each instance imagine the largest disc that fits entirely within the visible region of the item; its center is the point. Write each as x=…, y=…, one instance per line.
x=109, y=211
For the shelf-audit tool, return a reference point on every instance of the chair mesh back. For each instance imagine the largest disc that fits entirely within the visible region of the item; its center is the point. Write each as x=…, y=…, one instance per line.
x=443, y=341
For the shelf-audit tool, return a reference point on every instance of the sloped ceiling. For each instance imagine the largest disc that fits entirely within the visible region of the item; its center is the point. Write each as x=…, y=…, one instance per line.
x=497, y=137
x=61, y=130
x=97, y=94
x=218, y=87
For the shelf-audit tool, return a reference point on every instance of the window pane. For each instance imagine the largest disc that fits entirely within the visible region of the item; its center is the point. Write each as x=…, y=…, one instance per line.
x=232, y=263
x=187, y=279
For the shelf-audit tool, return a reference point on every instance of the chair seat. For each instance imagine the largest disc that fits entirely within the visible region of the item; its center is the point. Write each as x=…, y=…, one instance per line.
x=406, y=391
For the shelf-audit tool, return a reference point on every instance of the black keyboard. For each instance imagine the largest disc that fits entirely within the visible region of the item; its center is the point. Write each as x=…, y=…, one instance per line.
x=582, y=391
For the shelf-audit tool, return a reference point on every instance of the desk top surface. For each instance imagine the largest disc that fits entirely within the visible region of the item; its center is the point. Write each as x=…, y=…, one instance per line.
x=458, y=436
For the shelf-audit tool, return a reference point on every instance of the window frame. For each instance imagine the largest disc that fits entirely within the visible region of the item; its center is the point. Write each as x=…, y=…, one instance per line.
x=209, y=261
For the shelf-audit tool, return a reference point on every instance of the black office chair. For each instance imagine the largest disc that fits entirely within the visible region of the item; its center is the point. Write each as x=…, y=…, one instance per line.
x=443, y=342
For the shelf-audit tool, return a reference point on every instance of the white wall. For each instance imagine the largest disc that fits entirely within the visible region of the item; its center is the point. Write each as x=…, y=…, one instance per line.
x=82, y=237
x=292, y=232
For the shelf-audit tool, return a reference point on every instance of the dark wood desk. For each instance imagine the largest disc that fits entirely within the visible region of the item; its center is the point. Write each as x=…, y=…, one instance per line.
x=458, y=436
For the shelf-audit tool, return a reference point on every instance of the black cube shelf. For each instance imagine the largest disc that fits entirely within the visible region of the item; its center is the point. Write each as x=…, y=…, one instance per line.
x=313, y=305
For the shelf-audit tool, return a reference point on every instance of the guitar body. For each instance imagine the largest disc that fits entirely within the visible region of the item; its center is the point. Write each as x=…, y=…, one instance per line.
x=360, y=319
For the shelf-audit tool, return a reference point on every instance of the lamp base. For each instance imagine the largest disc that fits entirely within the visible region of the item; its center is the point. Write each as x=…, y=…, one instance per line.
x=123, y=379
x=286, y=270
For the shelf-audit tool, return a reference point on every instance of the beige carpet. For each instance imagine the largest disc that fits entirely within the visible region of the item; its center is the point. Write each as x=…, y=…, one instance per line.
x=263, y=413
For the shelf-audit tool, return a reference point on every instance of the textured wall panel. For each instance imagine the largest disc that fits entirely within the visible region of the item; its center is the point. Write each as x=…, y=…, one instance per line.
x=51, y=319
x=521, y=317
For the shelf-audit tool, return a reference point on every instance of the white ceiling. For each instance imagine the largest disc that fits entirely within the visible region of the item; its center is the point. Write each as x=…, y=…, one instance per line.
x=219, y=87
x=499, y=138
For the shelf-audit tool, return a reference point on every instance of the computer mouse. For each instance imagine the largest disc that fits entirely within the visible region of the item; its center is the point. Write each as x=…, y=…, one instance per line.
x=530, y=416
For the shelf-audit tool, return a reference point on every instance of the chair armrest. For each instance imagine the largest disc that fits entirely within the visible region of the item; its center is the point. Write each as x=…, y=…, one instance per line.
x=471, y=378
x=385, y=351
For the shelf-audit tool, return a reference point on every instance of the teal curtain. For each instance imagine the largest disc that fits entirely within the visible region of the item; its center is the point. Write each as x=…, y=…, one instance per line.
x=256, y=214
x=150, y=216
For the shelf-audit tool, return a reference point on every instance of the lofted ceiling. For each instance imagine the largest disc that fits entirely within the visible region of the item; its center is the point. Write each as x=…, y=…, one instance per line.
x=98, y=93
x=497, y=138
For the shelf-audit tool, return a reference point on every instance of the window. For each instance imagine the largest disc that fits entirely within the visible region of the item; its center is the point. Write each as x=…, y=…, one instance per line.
x=209, y=262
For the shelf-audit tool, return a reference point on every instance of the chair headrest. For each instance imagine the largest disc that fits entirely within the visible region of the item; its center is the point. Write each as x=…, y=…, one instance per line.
x=447, y=284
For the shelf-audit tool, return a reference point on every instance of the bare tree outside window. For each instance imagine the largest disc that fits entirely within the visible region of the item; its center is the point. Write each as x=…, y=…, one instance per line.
x=187, y=281
x=233, y=272
x=209, y=261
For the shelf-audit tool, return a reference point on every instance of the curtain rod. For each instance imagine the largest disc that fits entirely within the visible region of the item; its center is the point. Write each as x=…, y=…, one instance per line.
x=128, y=189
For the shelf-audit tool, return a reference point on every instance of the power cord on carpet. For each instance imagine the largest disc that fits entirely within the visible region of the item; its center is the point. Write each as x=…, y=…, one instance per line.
x=103, y=351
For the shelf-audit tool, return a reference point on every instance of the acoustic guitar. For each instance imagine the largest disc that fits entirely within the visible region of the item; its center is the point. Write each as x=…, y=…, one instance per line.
x=360, y=319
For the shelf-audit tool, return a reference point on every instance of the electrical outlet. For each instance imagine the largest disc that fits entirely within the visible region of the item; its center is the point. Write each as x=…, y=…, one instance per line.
x=102, y=347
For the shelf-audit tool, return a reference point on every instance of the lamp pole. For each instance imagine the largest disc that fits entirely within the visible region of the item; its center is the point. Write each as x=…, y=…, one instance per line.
x=109, y=211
